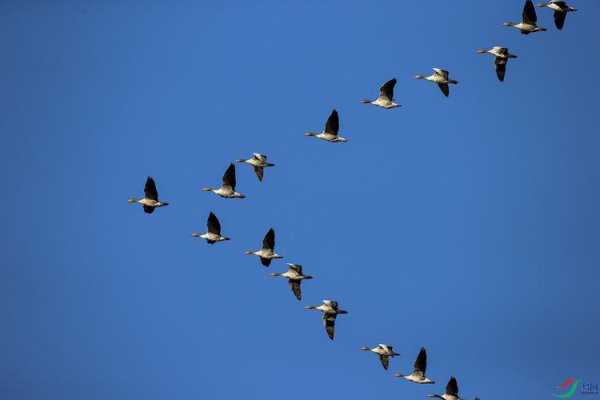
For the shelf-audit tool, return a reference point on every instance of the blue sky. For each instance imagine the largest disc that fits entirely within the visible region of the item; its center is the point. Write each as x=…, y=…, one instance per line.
x=467, y=225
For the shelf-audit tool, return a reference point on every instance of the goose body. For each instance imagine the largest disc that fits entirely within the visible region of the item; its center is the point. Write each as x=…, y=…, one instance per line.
x=418, y=374
x=560, y=11
x=150, y=200
x=295, y=277
x=451, y=392
x=528, y=25
x=259, y=162
x=227, y=189
x=214, y=230
x=386, y=96
x=442, y=79
x=501, y=56
x=330, y=133
x=384, y=352
x=330, y=311
x=267, y=252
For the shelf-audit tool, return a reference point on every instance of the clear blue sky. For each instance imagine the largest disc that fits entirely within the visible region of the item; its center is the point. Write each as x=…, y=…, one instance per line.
x=467, y=225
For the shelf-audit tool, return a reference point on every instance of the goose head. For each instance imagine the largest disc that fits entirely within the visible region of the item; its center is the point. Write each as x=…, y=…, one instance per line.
x=249, y=252
x=208, y=189
x=365, y=348
x=366, y=101
x=310, y=134
x=419, y=77
x=508, y=24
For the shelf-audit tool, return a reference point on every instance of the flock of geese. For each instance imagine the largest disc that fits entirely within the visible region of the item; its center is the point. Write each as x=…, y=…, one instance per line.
x=330, y=309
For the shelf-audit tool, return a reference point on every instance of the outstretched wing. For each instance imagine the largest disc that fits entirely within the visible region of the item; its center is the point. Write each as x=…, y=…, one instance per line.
x=150, y=189
x=269, y=240
x=452, y=387
x=559, y=19
x=333, y=123
x=260, y=157
x=444, y=88
x=148, y=209
x=441, y=72
x=387, y=89
x=385, y=360
x=213, y=224
x=421, y=363
x=529, y=15
x=229, y=177
x=260, y=172
x=329, y=322
x=500, y=66
x=265, y=261
x=295, y=286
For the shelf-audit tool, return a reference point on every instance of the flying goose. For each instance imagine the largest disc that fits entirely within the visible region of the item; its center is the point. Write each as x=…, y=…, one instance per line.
x=330, y=133
x=440, y=77
x=560, y=11
x=267, y=252
x=214, y=230
x=529, y=19
x=501, y=55
x=150, y=200
x=418, y=374
x=384, y=352
x=330, y=311
x=386, y=96
x=227, y=190
x=451, y=391
x=259, y=162
x=295, y=277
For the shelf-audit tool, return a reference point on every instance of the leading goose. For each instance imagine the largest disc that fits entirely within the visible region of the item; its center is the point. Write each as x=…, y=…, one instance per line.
x=440, y=77
x=150, y=200
x=214, y=230
x=227, y=190
x=295, y=277
x=330, y=133
x=528, y=25
x=259, y=162
x=560, y=11
x=384, y=352
x=501, y=56
x=451, y=391
x=267, y=252
x=330, y=311
x=386, y=96
x=418, y=374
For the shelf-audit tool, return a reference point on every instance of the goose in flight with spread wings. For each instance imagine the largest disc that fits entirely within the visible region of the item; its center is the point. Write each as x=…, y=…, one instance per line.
x=227, y=190
x=451, y=391
x=150, y=200
x=386, y=96
x=440, y=77
x=330, y=133
x=384, y=352
x=528, y=25
x=267, y=252
x=418, y=374
x=214, y=230
x=330, y=311
x=501, y=56
x=560, y=11
x=259, y=162
x=295, y=277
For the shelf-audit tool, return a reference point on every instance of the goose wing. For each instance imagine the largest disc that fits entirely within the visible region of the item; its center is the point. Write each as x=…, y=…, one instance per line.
x=385, y=360
x=260, y=172
x=296, y=267
x=295, y=286
x=421, y=363
x=441, y=72
x=329, y=323
x=444, y=88
x=229, y=177
x=150, y=189
x=269, y=240
x=559, y=19
x=265, y=261
x=213, y=224
x=452, y=387
x=500, y=66
x=148, y=209
x=260, y=157
x=529, y=15
x=386, y=91
x=333, y=123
